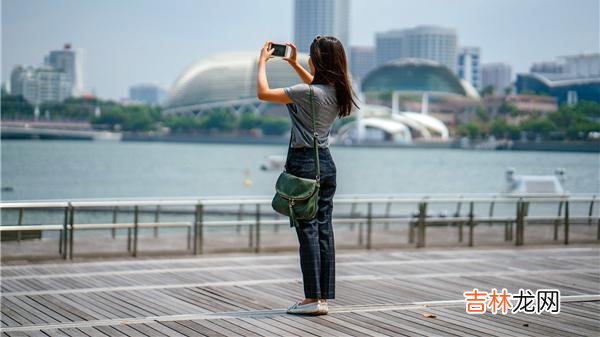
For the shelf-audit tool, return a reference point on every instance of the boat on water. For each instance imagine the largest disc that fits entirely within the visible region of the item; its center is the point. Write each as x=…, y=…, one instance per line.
x=273, y=163
x=546, y=185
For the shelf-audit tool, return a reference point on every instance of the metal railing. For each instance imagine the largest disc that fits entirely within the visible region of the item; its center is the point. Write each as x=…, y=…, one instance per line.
x=514, y=222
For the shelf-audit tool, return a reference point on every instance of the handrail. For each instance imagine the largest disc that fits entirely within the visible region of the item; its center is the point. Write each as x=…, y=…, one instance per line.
x=364, y=220
x=343, y=199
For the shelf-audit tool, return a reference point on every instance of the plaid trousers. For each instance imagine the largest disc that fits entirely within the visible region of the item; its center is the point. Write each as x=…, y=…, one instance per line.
x=315, y=236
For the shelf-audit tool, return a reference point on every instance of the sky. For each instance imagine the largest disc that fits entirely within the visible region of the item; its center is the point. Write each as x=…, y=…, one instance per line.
x=127, y=42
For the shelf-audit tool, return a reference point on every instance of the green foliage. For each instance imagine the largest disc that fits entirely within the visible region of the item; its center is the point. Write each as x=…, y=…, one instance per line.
x=482, y=114
x=470, y=129
x=510, y=108
x=541, y=126
x=499, y=128
x=574, y=122
x=220, y=120
x=183, y=124
x=128, y=118
x=250, y=121
x=487, y=91
x=15, y=107
x=274, y=125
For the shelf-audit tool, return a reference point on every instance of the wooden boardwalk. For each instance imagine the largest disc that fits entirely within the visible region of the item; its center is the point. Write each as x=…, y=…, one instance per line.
x=378, y=293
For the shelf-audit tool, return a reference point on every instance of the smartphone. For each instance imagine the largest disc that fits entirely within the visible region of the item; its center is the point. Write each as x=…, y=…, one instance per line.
x=281, y=50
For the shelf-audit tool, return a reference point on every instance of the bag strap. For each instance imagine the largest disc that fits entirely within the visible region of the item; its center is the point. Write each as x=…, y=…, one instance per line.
x=315, y=135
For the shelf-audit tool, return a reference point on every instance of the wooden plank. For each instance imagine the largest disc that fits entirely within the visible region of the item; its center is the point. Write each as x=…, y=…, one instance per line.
x=227, y=324
x=22, y=312
x=162, y=329
x=405, y=323
x=73, y=332
x=207, y=325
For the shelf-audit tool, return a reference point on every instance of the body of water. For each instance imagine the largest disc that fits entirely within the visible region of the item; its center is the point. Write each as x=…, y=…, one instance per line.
x=105, y=169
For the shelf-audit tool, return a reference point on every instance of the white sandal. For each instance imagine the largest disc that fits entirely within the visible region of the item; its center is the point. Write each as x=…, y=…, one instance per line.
x=313, y=308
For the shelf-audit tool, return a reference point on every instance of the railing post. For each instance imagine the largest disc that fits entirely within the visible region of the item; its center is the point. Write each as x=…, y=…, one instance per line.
x=471, y=224
x=135, y=229
x=250, y=235
x=189, y=237
x=388, y=206
x=421, y=226
x=257, y=229
x=60, y=234
x=567, y=222
x=114, y=221
x=71, y=230
x=63, y=233
x=240, y=217
x=458, y=224
x=19, y=223
x=156, y=220
x=557, y=221
x=369, y=224
x=352, y=214
x=128, y=238
x=199, y=229
x=591, y=210
x=519, y=222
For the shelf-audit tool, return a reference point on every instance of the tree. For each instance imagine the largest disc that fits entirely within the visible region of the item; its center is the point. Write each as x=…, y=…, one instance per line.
x=488, y=91
x=274, y=125
x=510, y=108
x=250, y=121
x=220, y=120
x=482, y=114
x=15, y=107
x=470, y=129
x=541, y=126
x=499, y=128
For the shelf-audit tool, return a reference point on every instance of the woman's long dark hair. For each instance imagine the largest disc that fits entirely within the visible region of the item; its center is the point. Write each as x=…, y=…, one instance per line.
x=329, y=59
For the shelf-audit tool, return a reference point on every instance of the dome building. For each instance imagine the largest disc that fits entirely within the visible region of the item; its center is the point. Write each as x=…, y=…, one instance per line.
x=416, y=75
x=228, y=81
x=377, y=123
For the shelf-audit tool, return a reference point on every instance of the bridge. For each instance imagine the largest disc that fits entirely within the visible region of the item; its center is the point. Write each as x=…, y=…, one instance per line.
x=54, y=130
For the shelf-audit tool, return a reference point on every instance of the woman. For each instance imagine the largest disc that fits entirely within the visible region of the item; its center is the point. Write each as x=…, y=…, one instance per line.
x=333, y=98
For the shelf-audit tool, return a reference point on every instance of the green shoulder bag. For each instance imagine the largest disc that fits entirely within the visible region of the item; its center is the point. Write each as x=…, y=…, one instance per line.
x=298, y=197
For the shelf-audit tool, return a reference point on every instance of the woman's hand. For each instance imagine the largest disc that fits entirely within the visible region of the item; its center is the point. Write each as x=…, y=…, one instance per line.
x=292, y=60
x=266, y=52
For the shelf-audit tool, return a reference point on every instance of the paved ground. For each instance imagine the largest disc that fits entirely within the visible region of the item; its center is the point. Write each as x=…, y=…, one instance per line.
x=386, y=292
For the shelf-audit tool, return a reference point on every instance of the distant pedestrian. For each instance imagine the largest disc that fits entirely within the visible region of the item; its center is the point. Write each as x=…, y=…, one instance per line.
x=333, y=97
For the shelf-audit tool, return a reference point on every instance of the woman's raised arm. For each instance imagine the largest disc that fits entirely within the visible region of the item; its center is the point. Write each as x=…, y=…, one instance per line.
x=304, y=74
x=263, y=92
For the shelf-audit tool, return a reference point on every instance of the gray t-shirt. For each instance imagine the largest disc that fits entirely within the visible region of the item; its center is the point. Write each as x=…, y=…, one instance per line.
x=326, y=111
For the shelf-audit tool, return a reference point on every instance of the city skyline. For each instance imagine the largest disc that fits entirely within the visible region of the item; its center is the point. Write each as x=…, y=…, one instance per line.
x=122, y=54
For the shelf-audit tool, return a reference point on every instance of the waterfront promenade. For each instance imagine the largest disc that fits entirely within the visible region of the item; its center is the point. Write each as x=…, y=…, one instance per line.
x=378, y=293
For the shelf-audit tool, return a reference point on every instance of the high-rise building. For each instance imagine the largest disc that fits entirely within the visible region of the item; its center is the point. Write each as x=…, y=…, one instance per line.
x=320, y=17
x=547, y=68
x=70, y=62
x=468, y=67
x=575, y=78
x=582, y=65
x=39, y=85
x=497, y=75
x=425, y=42
x=147, y=93
x=362, y=61
x=571, y=66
